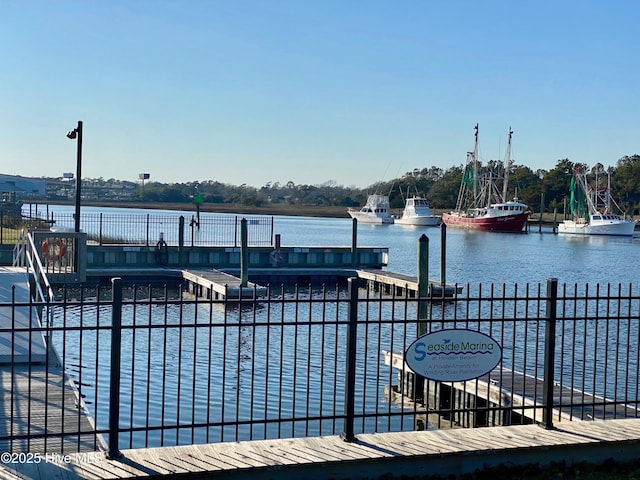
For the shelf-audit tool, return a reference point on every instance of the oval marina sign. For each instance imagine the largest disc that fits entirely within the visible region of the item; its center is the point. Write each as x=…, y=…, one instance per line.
x=453, y=355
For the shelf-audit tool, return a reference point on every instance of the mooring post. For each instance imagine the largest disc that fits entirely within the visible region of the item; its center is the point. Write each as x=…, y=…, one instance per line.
x=350, y=386
x=114, y=376
x=354, y=242
x=180, y=239
x=244, y=254
x=549, y=352
x=541, y=212
x=423, y=282
x=555, y=219
x=443, y=257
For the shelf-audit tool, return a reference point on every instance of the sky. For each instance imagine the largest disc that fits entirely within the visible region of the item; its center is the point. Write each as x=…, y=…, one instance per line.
x=313, y=91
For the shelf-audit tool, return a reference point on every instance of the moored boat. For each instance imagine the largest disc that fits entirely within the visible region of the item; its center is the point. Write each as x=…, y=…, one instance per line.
x=376, y=211
x=586, y=204
x=480, y=205
x=418, y=213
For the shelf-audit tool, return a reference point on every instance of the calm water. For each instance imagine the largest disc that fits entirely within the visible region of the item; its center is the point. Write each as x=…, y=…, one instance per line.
x=471, y=257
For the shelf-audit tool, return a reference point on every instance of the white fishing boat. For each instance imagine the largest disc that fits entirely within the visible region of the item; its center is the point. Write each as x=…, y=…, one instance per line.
x=480, y=204
x=591, y=209
x=417, y=212
x=376, y=211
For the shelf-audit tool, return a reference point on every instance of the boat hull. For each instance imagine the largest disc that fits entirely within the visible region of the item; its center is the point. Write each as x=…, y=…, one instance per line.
x=620, y=229
x=372, y=219
x=506, y=223
x=420, y=221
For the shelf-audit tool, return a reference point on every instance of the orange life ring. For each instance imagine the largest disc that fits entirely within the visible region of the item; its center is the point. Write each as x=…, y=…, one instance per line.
x=54, y=250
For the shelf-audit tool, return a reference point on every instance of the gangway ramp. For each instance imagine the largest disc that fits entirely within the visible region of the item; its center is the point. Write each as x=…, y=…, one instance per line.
x=21, y=339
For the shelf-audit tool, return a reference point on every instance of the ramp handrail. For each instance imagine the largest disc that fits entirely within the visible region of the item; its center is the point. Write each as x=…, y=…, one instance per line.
x=19, y=250
x=43, y=290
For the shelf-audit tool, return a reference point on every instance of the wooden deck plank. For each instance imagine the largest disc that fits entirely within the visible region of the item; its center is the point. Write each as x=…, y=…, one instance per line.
x=249, y=458
x=223, y=284
x=40, y=400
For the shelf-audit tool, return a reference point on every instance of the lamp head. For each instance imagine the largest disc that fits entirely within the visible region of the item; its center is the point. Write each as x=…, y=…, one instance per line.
x=72, y=133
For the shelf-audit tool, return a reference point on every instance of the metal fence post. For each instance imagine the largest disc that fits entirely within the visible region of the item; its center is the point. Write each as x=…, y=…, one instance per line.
x=549, y=352
x=114, y=381
x=350, y=386
x=244, y=254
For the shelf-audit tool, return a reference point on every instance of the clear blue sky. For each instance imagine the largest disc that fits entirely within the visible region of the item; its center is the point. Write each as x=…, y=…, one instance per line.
x=349, y=91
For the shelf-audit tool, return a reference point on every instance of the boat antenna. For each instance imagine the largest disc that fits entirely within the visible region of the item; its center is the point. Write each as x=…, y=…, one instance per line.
x=475, y=165
x=507, y=167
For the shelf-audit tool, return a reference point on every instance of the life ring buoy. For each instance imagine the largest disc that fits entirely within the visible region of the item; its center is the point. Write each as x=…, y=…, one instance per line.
x=276, y=257
x=54, y=250
x=161, y=253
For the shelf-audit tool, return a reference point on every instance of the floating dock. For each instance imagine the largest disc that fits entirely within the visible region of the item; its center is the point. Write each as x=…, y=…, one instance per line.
x=401, y=285
x=214, y=285
x=483, y=397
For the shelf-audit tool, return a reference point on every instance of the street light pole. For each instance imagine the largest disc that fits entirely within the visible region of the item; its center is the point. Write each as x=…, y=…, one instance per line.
x=73, y=134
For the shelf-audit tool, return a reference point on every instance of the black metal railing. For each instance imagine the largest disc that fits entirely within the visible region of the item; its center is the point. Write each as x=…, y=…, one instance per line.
x=155, y=367
x=174, y=229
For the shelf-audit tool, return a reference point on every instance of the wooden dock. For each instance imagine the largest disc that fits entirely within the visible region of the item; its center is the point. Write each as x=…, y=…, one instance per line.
x=41, y=409
x=511, y=393
x=214, y=284
x=399, y=284
x=448, y=453
x=205, y=283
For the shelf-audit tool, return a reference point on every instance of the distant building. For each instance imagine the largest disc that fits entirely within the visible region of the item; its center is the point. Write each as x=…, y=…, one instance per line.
x=22, y=187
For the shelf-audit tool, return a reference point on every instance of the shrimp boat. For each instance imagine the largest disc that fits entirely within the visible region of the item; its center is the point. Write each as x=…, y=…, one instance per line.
x=417, y=213
x=376, y=211
x=591, y=209
x=481, y=205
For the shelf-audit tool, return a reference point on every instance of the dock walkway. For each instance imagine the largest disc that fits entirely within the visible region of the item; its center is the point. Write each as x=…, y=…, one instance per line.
x=214, y=284
x=386, y=455
x=515, y=392
x=400, y=284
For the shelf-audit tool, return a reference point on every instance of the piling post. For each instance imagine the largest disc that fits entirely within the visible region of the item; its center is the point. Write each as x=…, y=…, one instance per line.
x=114, y=376
x=443, y=257
x=549, y=352
x=350, y=386
x=244, y=254
x=555, y=219
x=423, y=282
x=541, y=212
x=180, y=239
x=354, y=242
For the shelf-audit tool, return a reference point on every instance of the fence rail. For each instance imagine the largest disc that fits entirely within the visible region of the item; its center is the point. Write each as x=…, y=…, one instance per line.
x=155, y=367
x=149, y=229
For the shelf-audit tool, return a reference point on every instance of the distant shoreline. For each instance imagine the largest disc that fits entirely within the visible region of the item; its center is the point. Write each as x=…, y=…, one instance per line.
x=271, y=209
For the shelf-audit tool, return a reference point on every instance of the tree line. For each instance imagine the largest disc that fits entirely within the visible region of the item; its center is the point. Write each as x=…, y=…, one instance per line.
x=439, y=186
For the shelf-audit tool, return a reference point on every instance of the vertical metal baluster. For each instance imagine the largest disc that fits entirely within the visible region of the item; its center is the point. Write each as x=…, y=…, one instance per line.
x=350, y=377
x=114, y=384
x=549, y=352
